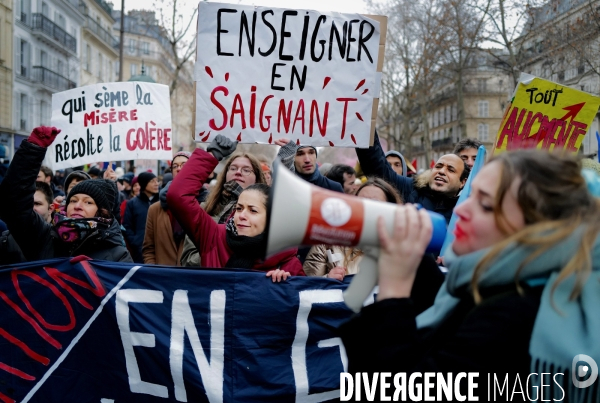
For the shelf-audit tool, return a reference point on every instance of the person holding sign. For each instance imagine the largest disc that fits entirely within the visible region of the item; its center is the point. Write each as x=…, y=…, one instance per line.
x=302, y=160
x=526, y=252
x=86, y=227
x=241, y=242
x=437, y=192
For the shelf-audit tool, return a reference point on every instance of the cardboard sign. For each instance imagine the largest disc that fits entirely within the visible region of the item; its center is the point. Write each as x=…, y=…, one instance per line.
x=110, y=122
x=545, y=115
x=267, y=73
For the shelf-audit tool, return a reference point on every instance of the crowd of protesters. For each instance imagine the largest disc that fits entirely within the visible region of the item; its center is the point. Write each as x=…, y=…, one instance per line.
x=525, y=251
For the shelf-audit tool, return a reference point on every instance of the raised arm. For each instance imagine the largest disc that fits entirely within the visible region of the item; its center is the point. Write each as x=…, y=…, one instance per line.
x=181, y=197
x=373, y=163
x=17, y=190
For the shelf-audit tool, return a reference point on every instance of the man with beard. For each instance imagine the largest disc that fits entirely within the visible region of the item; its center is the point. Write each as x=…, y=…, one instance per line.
x=436, y=190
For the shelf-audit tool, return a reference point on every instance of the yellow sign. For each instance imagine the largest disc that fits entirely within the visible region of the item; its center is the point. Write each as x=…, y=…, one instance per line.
x=546, y=115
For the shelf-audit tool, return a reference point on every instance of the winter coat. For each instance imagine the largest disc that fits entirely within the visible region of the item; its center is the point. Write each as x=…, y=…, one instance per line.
x=160, y=246
x=134, y=221
x=287, y=154
x=373, y=163
x=37, y=239
x=209, y=237
x=317, y=262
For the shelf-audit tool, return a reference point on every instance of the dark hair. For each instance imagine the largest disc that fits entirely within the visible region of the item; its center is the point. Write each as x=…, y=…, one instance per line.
x=390, y=192
x=336, y=173
x=261, y=188
x=47, y=171
x=465, y=143
x=46, y=190
x=466, y=171
x=212, y=201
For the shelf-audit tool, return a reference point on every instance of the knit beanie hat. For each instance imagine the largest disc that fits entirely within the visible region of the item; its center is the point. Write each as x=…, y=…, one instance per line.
x=101, y=190
x=265, y=167
x=185, y=154
x=79, y=175
x=144, y=178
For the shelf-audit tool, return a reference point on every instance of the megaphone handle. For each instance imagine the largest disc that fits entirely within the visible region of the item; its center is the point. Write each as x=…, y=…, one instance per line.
x=363, y=283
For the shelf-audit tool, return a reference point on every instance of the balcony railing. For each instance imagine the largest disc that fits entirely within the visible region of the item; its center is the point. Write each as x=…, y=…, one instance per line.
x=52, y=79
x=42, y=23
x=102, y=33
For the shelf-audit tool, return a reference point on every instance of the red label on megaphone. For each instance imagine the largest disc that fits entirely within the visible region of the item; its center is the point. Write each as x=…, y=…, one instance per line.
x=334, y=220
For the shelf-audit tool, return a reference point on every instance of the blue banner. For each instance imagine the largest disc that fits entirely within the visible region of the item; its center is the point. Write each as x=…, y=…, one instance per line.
x=107, y=332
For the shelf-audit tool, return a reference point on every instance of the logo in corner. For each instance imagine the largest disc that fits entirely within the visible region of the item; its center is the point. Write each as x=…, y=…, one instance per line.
x=583, y=366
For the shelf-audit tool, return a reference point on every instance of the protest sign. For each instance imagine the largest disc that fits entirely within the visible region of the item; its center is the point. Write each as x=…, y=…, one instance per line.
x=266, y=73
x=545, y=115
x=110, y=122
x=113, y=332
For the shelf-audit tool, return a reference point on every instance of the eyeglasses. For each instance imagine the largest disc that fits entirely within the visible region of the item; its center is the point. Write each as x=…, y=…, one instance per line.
x=245, y=170
x=177, y=166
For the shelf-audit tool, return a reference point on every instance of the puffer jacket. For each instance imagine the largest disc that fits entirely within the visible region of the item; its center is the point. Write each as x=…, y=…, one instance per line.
x=134, y=222
x=37, y=239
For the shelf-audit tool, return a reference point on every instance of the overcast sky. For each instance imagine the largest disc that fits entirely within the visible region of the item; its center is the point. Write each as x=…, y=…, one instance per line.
x=344, y=6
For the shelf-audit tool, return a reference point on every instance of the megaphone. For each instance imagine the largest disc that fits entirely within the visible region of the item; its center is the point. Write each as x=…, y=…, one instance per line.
x=299, y=213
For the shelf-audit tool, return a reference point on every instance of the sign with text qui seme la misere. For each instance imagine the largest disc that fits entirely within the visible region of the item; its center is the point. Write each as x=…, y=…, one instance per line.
x=265, y=73
x=110, y=122
x=545, y=115
x=108, y=332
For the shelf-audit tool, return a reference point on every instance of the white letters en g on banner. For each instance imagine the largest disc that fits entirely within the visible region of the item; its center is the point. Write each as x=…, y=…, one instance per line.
x=110, y=122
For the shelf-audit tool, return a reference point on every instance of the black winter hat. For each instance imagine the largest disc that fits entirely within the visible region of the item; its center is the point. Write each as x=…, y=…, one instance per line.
x=101, y=190
x=144, y=178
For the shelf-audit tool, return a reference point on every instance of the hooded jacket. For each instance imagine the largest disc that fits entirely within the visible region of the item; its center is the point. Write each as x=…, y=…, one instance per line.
x=373, y=163
x=37, y=239
x=211, y=238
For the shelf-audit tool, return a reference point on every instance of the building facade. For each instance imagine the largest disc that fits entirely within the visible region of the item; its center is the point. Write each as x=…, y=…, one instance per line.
x=6, y=75
x=99, y=48
x=146, y=43
x=561, y=43
x=46, y=42
x=486, y=91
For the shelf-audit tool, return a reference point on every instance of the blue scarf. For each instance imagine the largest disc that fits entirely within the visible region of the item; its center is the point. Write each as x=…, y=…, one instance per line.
x=562, y=329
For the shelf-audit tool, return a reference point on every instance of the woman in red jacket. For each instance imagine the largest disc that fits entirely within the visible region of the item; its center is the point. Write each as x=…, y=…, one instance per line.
x=241, y=242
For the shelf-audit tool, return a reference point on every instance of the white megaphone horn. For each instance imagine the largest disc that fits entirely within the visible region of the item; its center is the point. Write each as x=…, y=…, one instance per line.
x=299, y=213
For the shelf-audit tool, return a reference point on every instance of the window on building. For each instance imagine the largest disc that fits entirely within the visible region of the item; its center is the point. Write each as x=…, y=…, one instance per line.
x=23, y=11
x=483, y=108
x=23, y=58
x=60, y=68
x=146, y=48
x=100, y=67
x=482, y=85
x=59, y=20
x=133, y=69
x=23, y=109
x=448, y=114
x=436, y=117
x=454, y=112
x=44, y=113
x=110, y=70
x=43, y=58
x=482, y=132
x=45, y=9
x=132, y=46
x=117, y=69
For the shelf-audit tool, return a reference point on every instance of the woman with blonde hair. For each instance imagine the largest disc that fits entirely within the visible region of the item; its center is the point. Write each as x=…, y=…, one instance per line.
x=522, y=293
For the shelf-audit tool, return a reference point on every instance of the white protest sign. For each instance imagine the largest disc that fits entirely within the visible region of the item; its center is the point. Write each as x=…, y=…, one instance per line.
x=110, y=122
x=265, y=73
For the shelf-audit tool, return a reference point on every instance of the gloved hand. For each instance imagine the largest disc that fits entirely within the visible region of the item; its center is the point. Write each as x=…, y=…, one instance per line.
x=221, y=147
x=43, y=136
